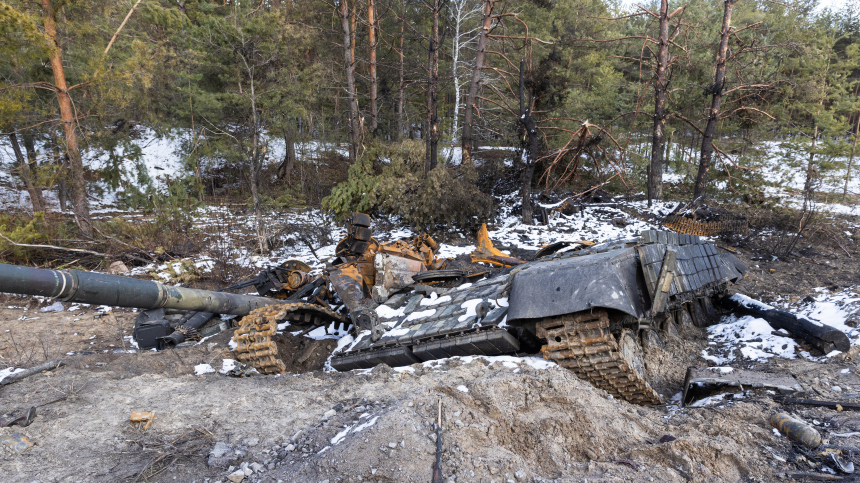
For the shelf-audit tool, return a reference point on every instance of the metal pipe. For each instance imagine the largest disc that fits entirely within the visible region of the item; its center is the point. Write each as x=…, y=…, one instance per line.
x=192, y=321
x=101, y=289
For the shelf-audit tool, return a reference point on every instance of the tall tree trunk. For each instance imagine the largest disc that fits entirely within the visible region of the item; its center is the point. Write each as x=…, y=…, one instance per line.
x=76, y=181
x=433, y=91
x=486, y=23
x=30, y=149
x=851, y=159
x=401, y=88
x=285, y=169
x=532, y=148
x=655, y=174
x=60, y=161
x=716, y=99
x=349, y=67
x=371, y=21
x=24, y=167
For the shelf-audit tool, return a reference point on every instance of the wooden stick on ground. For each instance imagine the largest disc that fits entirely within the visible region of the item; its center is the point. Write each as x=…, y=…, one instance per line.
x=53, y=247
x=47, y=366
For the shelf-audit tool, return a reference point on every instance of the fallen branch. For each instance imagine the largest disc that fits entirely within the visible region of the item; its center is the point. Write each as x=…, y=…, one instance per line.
x=52, y=247
x=47, y=366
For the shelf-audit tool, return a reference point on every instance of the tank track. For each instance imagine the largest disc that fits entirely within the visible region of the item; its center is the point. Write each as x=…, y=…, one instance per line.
x=584, y=344
x=253, y=337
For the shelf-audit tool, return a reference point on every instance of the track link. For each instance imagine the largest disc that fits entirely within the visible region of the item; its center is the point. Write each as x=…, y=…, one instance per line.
x=253, y=337
x=583, y=343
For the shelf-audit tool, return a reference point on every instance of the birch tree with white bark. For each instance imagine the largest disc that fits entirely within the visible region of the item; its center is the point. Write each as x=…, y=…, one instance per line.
x=465, y=32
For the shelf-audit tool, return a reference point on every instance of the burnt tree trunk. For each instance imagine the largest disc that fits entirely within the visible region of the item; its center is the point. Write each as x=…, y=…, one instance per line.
x=486, y=23
x=716, y=99
x=349, y=67
x=371, y=28
x=532, y=147
x=432, y=137
x=26, y=176
x=824, y=337
x=655, y=173
x=76, y=180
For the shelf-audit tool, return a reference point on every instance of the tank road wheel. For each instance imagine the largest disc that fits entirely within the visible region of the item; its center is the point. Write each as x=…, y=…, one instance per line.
x=583, y=343
x=253, y=337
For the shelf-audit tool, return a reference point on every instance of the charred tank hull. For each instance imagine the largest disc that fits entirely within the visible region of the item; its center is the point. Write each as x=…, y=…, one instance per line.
x=585, y=310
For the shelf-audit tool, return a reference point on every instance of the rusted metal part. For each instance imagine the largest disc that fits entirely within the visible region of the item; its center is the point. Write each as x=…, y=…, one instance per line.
x=682, y=224
x=394, y=273
x=350, y=285
x=583, y=343
x=796, y=430
x=487, y=253
x=733, y=377
x=253, y=337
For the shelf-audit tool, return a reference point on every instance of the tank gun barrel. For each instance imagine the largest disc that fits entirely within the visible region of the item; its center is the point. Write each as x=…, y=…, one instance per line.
x=101, y=289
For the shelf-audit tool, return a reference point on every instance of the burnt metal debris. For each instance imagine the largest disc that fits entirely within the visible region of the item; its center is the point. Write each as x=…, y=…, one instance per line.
x=587, y=308
x=715, y=378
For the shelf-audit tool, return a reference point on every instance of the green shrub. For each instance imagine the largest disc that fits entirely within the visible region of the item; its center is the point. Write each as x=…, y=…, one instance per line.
x=389, y=180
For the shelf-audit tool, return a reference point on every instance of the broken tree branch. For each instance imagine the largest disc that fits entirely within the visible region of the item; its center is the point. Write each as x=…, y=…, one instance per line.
x=53, y=247
x=112, y=39
x=47, y=366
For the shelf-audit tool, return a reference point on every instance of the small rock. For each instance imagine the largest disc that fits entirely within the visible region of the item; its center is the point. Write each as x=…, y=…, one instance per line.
x=329, y=414
x=247, y=471
x=252, y=442
x=666, y=438
x=816, y=381
x=836, y=389
x=271, y=466
x=291, y=447
x=236, y=476
x=223, y=454
x=432, y=437
x=459, y=423
x=118, y=268
x=410, y=404
x=256, y=466
x=392, y=445
x=520, y=475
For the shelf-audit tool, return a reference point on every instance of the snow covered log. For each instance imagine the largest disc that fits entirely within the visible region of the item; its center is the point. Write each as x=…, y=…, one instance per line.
x=824, y=337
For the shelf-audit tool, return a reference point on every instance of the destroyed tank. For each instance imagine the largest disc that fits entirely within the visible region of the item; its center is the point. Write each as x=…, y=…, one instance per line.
x=588, y=310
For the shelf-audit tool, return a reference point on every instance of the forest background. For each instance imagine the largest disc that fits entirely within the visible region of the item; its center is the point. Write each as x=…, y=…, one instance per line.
x=421, y=110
